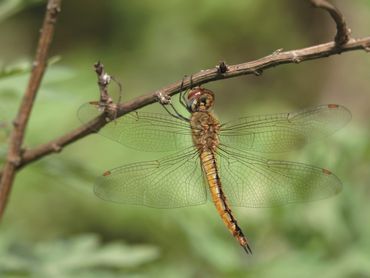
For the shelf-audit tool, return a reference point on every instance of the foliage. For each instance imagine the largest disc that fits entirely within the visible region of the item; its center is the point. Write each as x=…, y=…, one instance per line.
x=9, y=8
x=21, y=67
x=56, y=226
x=82, y=256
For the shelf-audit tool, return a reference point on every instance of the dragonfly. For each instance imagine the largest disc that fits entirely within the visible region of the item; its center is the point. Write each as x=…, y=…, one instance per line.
x=221, y=162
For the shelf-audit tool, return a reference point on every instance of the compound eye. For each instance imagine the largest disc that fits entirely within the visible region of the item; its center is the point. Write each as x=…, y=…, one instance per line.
x=200, y=100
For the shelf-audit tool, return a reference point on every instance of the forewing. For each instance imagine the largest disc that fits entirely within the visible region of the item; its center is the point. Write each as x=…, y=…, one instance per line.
x=143, y=131
x=175, y=181
x=284, y=132
x=251, y=181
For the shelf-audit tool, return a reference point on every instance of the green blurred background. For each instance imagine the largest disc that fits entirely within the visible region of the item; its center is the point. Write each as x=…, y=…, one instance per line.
x=54, y=225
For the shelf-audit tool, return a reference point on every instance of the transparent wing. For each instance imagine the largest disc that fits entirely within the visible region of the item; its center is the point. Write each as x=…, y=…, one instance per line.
x=284, y=132
x=143, y=131
x=175, y=181
x=251, y=181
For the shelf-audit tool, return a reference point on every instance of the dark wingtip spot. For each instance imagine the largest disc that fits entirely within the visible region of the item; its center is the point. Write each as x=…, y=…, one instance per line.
x=326, y=171
x=107, y=173
x=93, y=102
x=333, y=106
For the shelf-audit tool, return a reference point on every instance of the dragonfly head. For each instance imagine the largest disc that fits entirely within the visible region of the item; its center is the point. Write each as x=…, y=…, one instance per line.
x=200, y=99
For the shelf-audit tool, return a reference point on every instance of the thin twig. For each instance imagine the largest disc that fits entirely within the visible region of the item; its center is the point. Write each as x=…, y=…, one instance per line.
x=14, y=159
x=103, y=82
x=202, y=77
x=343, y=32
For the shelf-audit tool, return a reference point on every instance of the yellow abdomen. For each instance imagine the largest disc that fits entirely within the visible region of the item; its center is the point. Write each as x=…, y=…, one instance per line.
x=209, y=165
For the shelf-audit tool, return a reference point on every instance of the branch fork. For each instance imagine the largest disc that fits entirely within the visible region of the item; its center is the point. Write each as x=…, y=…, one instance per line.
x=343, y=34
x=105, y=103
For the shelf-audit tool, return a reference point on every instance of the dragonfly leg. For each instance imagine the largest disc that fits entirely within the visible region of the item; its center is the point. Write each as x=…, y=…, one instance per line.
x=119, y=85
x=182, y=95
x=166, y=100
x=182, y=99
x=176, y=113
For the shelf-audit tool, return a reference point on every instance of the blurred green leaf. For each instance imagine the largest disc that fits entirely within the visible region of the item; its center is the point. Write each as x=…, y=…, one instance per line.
x=22, y=67
x=14, y=83
x=9, y=8
x=81, y=254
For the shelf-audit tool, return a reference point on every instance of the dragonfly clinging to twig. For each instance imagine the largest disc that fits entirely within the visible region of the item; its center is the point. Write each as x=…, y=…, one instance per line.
x=218, y=160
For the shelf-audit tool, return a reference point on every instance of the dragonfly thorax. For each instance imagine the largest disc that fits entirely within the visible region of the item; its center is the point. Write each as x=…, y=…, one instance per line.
x=200, y=99
x=205, y=129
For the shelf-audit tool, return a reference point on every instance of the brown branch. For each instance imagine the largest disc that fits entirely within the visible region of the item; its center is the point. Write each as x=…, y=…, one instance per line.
x=343, y=33
x=14, y=159
x=254, y=67
x=103, y=82
x=105, y=102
